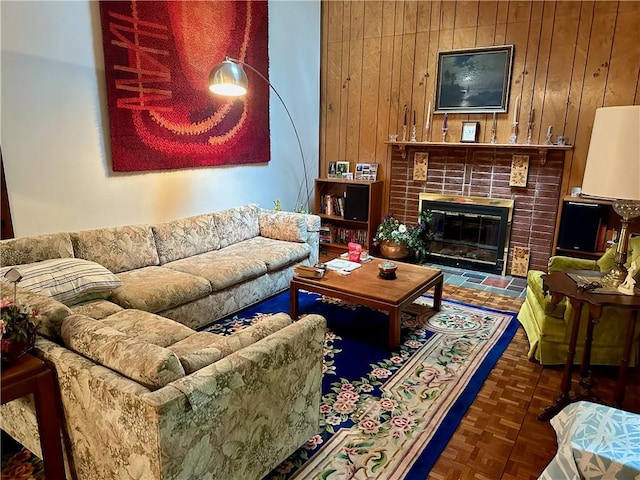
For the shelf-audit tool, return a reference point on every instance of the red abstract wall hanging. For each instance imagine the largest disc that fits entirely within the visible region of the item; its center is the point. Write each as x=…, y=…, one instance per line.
x=158, y=55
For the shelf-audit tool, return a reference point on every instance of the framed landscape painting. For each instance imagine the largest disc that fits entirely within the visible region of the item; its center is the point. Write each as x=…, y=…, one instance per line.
x=474, y=80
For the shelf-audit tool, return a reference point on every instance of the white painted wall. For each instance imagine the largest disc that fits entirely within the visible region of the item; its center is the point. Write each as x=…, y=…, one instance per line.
x=54, y=129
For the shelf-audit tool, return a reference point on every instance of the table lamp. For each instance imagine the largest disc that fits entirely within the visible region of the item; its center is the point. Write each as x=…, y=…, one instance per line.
x=229, y=79
x=613, y=172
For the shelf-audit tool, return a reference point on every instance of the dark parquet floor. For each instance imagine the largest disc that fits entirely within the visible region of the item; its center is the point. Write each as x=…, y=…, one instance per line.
x=500, y=436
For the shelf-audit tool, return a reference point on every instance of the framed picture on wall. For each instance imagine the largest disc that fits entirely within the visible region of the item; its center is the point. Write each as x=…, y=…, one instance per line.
x=474, y=80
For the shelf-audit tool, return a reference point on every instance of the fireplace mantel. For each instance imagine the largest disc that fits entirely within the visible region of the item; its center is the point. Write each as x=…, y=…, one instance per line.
x=542, y=149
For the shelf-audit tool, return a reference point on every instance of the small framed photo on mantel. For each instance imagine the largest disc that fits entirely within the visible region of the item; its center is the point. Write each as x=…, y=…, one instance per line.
x=470, y=132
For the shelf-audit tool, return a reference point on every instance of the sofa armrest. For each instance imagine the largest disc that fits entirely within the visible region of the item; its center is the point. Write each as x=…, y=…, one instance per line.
x=292, y=227
x=561, y=263
x=264, y=398
x=51, y=311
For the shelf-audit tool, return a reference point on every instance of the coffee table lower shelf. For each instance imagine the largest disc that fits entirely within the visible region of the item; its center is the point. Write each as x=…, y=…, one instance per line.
x=364, y=287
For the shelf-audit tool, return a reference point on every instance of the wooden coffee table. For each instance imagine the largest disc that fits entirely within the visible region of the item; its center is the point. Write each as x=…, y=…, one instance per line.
x=363, y=286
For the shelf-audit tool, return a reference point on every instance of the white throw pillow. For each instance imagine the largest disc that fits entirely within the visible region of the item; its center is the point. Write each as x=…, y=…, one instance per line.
x=65, y=279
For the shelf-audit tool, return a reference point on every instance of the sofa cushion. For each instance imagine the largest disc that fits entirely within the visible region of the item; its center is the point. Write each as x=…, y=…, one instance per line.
x=237, y=224
x=185, y=237
x=607, y=261
x=117, y=248
x=18, y=251
x=204, y=348
x=288, y=226
x=148, y=364
x=97, y=309
x=148, y=327
x=222, y=268
x=197, y=351
x=67, y=280
x=275, y=254
x=154, y=289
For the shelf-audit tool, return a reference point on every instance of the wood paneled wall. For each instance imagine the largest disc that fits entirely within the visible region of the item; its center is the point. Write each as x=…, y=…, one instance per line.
x=570, y=58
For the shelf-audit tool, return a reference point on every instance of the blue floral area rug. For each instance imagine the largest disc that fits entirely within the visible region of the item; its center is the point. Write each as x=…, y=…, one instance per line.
x=389, y=414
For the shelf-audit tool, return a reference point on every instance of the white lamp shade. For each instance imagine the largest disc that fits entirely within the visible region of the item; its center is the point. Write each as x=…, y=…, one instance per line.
x=613, y=162
x=228, y=79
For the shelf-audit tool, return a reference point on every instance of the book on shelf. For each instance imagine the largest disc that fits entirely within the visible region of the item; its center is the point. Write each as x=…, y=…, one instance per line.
x=332, y=205
x=325, y=234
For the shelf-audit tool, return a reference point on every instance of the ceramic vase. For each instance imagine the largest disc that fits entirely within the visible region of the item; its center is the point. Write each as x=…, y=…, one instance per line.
x=393, y=250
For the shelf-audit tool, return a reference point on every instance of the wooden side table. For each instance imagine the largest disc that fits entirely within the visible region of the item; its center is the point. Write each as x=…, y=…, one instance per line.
x=32, y=375
x=561, y=285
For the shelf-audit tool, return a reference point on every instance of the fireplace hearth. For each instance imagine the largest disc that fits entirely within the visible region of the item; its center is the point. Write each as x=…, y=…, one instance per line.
x=469, y=232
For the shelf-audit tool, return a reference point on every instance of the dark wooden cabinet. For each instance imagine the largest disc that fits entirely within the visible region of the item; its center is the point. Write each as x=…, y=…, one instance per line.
x=588, y=227
x=350, y=211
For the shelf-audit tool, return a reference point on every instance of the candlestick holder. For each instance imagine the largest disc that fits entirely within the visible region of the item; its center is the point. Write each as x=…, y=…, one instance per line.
x=404, y=133
x=548, y=140
x=444, y=134
x=529, y=133
x=513, y=138
x=493, y=136
x=427, y=127
x=413, y=134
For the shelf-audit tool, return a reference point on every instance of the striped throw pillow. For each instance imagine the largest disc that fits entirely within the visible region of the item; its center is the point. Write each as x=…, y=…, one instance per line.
x=65, y=279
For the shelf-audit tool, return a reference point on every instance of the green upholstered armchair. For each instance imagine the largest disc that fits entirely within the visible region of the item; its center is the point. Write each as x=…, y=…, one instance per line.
x=548, y=326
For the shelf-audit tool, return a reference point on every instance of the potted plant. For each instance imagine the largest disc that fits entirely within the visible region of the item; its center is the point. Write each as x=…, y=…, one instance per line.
x=420, y=236
x=392, y=237
x=18, y=324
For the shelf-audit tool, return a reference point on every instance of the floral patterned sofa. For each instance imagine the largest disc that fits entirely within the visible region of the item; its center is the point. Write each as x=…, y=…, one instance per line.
x=144, y=394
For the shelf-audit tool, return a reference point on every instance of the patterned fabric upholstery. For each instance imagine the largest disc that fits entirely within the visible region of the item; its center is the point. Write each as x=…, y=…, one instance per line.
x=117, y=248
x=287, y=226
x=275, y=254
x=595, y=441
x=263, y=399
x=52, y=312
x=222, y=268
x=154, y=289
x=204, y=348
x=97, y=309
x=147, y=364
x=237, y=224
x=180, y=403
x=186, y=237
x=18, y=251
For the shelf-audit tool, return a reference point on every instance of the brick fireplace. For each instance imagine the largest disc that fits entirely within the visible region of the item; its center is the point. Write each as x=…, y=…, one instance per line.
x=479, y=171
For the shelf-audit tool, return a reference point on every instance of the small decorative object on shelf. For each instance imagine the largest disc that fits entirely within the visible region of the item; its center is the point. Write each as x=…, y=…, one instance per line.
x=444, y=127
x=494, y=126
x=413, y=133
x=427, y=124
x=393, y=138
x=387, y=270
x=470, y=131
x=548, y=140
x=513, y=138
x=530, y=126
x=404, y=125
x=18, y=324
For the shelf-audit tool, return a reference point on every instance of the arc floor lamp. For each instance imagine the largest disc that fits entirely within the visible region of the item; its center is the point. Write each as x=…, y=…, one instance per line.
x=228, y=78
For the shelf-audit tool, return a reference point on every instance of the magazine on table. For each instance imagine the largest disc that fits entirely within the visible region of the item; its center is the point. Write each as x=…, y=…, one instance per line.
x=344, y=265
